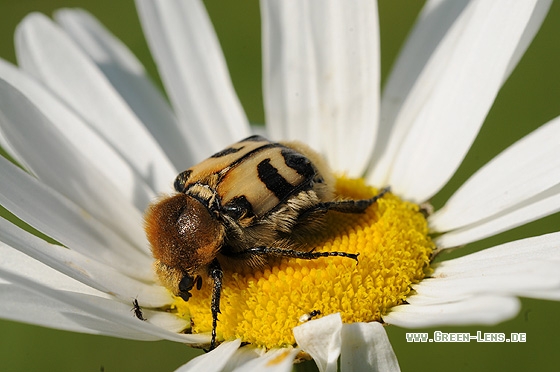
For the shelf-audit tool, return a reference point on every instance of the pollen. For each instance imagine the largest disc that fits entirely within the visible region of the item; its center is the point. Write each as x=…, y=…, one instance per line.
x=262, y=307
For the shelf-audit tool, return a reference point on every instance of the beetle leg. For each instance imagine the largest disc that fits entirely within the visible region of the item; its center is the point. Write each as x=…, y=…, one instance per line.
x=215, y=272
x=343, y=206
x=285, y=252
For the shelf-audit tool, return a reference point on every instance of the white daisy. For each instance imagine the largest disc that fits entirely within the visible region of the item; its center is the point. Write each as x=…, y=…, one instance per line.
x=98, y=142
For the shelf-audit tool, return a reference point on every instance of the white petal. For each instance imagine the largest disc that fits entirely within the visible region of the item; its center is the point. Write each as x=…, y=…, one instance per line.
x=321, y=77
x=366, y=347
x=515, y=268
x=15, y=265
x=21, y=305
x=527, y=267
x=86, y=270
x=129, y=78
x=17, y=262
x=525, y=169
x=425, y=299
x=86, y=141
x=242, y=356
x=192, y=67
x=532, y=209
x=6, y=145
x=450, y=99
x=275, y=360
x=433, y=23
x=551, y=295
x=47, y=53
x=501, y=279
x=541, y=247
x=104, y=308
x=321, y=339
x=539, y=14
x=488, y=310
x=163, y=319
x=260, y=130
x=213, y=361
x=535, y=248
x=64, y=316
x=57, y=217
x=57, y=162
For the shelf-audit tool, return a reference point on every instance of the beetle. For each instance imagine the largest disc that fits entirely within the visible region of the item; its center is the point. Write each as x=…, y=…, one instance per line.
x=250, y=203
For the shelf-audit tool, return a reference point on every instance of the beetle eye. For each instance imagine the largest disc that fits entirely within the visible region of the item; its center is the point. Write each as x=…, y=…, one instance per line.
x=181, y=180
x=238, y=208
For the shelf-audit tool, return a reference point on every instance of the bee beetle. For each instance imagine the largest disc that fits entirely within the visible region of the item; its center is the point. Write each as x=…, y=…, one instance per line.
x=251, y=202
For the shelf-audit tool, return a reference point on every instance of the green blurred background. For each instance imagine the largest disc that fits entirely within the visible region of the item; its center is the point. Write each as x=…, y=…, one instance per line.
x=529, y=99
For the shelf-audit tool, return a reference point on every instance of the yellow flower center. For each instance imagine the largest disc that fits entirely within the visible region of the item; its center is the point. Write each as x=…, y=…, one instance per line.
x=263, y=306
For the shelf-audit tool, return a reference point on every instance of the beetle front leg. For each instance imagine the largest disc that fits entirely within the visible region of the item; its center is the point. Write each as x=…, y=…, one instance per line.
x=216, y=274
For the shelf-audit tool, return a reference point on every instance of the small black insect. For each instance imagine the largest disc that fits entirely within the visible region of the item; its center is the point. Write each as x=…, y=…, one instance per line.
x=137, y=310
x=309, y=316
